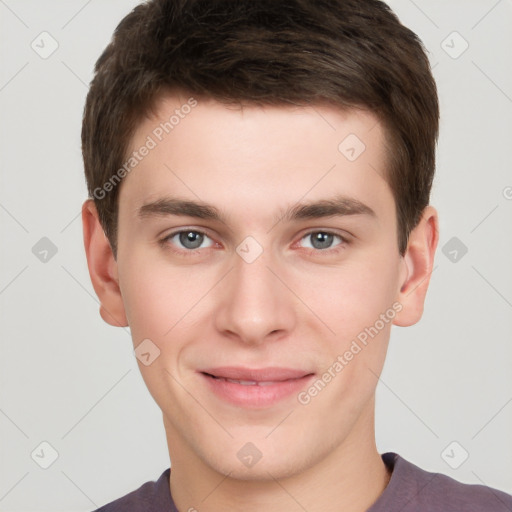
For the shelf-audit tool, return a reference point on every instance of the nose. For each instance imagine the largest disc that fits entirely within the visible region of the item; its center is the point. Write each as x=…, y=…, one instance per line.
x=254, y=305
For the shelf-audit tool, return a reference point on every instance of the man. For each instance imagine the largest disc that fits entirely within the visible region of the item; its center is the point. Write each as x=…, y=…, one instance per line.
x=259, y=176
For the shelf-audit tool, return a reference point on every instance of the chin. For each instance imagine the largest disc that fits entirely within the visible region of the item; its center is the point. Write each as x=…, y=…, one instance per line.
x=259, y=461
x=263, y=470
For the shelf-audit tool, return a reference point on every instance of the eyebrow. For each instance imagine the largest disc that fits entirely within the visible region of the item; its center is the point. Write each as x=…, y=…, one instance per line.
x=337, y=206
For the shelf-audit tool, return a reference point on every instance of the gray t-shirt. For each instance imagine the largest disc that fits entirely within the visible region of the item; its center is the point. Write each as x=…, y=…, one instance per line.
x=410, y=489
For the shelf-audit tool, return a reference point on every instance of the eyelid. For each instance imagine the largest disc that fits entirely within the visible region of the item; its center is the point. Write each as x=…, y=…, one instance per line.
x=181, y=229
x=344, y=239
x=169, y=236
x=329, y=231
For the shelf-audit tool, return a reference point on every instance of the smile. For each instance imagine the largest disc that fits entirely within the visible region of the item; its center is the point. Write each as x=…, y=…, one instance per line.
x=261, y=388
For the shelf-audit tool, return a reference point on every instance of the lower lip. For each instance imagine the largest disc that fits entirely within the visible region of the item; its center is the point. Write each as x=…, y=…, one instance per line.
x=254, y=395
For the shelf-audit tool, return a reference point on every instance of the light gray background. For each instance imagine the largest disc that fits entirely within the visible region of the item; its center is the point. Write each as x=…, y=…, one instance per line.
x=71, y=380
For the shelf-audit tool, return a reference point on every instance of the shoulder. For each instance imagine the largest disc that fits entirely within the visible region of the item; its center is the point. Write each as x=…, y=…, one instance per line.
x=151, y=496
x=415, y=489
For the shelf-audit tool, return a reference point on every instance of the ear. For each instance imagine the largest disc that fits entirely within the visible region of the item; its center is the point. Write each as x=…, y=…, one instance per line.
x=418, y=262
x=102, y=267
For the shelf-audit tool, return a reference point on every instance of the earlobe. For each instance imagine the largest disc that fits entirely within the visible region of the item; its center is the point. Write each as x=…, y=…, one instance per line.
x=418, y=264
x=102, y=267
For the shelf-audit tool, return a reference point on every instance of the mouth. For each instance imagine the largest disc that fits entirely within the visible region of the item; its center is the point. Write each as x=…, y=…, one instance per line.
x=246, y=382
x=255, y=388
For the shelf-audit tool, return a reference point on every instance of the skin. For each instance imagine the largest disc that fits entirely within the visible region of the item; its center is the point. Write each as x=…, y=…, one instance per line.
x=294, y=306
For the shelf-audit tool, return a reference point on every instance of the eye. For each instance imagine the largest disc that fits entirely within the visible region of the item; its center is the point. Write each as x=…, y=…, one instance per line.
x=322, y=240
x=189, y=239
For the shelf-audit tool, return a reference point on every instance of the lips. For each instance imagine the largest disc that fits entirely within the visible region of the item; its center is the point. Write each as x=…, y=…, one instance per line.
x=255, y=388
x=256, y=376
x=248, y=382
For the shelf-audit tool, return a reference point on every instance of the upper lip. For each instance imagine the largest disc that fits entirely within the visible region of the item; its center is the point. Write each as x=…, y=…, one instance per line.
x=257, y=375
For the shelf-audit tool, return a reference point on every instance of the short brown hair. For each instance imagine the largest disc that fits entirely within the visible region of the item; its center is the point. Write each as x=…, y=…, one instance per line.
x=351, y=53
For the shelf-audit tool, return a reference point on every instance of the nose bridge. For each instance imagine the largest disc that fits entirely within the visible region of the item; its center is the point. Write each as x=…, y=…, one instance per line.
x=254, y=302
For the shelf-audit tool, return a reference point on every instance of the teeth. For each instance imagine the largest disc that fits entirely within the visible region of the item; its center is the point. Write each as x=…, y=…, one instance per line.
x=247, y=382
x=243, y=382
x=250, y=382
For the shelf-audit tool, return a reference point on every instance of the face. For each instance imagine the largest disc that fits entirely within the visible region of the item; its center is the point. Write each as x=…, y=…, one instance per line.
x=258, y=264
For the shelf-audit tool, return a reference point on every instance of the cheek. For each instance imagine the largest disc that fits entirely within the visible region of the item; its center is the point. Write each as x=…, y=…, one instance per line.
x=159, y=302
x=351, y=296
x=145, y=302
x=161, y=299
x=146, y=290
x=361, y=312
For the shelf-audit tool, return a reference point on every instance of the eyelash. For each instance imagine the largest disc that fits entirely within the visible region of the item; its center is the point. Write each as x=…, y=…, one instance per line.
x=164, y=242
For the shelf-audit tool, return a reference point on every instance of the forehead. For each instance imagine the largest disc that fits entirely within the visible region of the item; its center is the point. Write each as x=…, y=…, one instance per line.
x=255, y=156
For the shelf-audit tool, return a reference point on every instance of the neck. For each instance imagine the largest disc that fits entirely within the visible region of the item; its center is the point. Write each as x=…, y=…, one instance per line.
x=350, y=478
